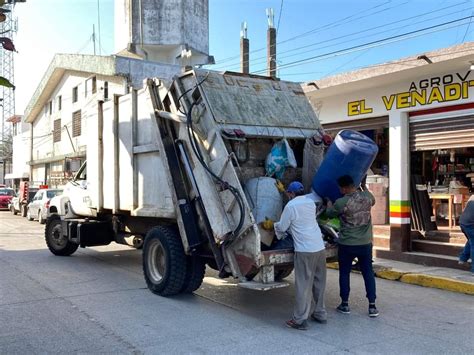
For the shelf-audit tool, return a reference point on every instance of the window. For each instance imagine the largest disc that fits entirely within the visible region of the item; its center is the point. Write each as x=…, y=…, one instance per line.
x=57, y=131
x=60, y=102
x=106, y=90
x=94, y=85
x=50, y=107
x=76, y=123
x=74, y=94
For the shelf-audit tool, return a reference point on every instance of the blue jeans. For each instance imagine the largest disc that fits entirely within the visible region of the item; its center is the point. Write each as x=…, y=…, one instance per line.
x=346, y=255
x=468, y=251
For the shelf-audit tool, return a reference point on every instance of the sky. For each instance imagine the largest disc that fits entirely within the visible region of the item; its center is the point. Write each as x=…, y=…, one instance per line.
x=315, y=38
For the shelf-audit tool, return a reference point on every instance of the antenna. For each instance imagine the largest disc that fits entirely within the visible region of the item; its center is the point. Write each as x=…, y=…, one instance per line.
x=270, y=18
x=243, y=30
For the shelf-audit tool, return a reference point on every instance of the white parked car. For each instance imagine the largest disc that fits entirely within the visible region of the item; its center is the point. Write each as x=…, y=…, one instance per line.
x=38, y=207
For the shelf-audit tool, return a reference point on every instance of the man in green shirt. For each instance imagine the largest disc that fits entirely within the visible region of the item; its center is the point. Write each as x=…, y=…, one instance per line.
x=355, y=240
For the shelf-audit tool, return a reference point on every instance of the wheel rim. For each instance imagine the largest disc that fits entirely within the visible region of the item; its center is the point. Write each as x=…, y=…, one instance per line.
x=157, y=262
x=57, y=239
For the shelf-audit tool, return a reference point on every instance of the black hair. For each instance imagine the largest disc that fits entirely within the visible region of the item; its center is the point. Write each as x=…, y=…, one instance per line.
x=299, y=193
x=345, y=181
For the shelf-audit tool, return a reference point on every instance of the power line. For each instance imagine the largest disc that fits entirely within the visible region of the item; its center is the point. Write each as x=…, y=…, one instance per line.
x=383, y=41
x=279, y=16
x=261, y=60
x=467, y=29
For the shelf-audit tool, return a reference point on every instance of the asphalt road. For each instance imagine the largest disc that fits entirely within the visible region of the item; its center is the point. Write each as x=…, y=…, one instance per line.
x=96, y=301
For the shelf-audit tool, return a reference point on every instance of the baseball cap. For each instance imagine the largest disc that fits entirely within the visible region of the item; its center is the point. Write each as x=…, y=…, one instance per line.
x=295, y=186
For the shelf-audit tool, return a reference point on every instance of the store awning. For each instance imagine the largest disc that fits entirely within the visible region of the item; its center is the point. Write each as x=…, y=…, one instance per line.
x=11, y=176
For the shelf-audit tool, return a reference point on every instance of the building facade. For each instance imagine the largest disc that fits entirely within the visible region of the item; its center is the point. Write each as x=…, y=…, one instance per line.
x=58, y=110
x=420, y=111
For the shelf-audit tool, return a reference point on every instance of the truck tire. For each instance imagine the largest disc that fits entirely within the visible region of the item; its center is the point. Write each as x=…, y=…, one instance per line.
x=56, y=242
x=12, y=209
x=195, y=270
x=164, y=261
x=283, y=273
x=29, y=217
x=23, y=210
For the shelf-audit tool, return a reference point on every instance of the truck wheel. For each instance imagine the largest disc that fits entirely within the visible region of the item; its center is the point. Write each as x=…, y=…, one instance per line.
x=23, y=210
x=283, y=273
x=29, y=217
x=12, y=209
x=41, y=220
x=164, y=261
x=195, y=270
x=55, y=240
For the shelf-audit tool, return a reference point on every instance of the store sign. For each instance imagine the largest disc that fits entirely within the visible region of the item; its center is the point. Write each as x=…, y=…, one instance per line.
x=450, y=87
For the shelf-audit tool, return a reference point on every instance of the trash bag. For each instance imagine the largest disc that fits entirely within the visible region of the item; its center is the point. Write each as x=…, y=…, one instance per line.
x=313, y=155
x=280, y=157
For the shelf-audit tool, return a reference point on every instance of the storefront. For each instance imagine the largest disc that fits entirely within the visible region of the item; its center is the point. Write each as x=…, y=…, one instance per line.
x=420, y=112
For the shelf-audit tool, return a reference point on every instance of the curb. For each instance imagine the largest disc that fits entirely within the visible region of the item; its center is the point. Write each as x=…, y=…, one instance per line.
x=424, y=280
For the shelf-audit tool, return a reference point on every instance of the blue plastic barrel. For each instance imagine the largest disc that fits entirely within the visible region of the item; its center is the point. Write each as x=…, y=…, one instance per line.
x=351, y=153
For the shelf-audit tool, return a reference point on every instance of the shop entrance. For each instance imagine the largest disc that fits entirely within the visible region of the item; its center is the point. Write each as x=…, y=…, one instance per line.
x=442, y=165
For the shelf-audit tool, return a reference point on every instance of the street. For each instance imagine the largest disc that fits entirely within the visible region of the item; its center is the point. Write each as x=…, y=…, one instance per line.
x=96, y=301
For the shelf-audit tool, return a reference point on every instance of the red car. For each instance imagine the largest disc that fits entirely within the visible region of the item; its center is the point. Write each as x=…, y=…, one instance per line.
x=6, y=195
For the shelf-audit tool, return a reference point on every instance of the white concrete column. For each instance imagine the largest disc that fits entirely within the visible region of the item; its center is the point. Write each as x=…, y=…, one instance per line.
x=399, y=190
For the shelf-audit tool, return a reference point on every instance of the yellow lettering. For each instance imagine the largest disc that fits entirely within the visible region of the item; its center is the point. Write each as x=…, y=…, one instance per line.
x=435, y=95
x=353, y=108
x=471, y=82
x=402, y=100
x=452, y=92
x=364, y=109
x=388, y=102
x=417, y=98
x=465, y=90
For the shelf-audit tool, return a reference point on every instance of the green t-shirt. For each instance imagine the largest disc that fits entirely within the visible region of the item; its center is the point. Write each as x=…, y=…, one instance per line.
x=354, y=211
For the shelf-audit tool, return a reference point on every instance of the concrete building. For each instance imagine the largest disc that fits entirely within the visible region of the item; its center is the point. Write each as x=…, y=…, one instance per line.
x=153, y=39
x=21, y=150
x=420, y=111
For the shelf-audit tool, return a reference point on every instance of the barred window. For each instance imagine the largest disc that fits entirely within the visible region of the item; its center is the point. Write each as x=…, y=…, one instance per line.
x=57, y=131
x=76, y=123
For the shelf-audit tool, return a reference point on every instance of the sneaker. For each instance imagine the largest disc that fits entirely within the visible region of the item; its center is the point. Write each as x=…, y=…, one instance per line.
x=292, y=324
x=344, y=309
x=373, y=312
x=460, y=262
x=319, y=320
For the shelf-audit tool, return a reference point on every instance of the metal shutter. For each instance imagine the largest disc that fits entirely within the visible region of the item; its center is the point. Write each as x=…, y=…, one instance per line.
x=441, y=133
x=357, y=125
x=57, y=131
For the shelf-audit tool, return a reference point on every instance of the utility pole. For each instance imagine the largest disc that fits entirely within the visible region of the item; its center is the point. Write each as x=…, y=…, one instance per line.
x=271, y=44
x=244, y=49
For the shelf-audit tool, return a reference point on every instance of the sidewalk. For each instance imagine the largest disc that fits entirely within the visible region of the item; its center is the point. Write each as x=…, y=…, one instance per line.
x=427, y=276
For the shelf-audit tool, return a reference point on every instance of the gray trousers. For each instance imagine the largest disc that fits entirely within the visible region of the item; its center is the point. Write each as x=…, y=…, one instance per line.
x=310, y=285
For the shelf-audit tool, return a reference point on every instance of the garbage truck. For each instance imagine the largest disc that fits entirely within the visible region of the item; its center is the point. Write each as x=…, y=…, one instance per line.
x=166, y=172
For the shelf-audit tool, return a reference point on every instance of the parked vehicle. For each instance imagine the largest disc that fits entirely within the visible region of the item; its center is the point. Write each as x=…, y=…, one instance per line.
x=175, y=182
x=25, y=195
x=6, y=195
x=38, y=207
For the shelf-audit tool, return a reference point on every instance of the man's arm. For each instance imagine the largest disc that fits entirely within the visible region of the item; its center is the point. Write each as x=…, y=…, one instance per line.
x=284, y=224
x=336, y=209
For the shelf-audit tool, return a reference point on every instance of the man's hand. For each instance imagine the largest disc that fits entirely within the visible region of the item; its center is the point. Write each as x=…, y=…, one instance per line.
x=267, y=224
x=279, y=185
